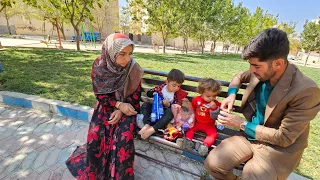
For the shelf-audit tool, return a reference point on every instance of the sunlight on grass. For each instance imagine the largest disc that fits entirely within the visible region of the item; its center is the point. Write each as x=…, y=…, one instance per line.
x=65, y=75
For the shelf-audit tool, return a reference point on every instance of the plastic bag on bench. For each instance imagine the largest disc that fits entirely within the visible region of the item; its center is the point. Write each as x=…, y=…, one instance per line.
x=182, y=121
x=183, y=115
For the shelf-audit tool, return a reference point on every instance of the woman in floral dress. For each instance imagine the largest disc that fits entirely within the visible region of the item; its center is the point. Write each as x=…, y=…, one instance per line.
x=116, y=79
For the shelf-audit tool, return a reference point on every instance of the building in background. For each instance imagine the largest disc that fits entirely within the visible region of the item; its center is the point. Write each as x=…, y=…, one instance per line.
x=22, y=25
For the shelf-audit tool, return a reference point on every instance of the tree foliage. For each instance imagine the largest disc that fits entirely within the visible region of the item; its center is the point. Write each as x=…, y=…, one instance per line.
x=310, y=37
x=289, y=28
x=124, y=19
x=162, y=18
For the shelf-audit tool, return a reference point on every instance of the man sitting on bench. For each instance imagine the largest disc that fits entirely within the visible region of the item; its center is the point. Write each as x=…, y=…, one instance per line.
x=278, y=104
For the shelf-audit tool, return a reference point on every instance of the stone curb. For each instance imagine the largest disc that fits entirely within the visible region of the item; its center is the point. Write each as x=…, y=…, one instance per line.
x=69, y=110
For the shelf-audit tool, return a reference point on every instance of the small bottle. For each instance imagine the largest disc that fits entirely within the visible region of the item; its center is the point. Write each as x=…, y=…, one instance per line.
x=153, y=117
x=219, y=125
x=154, y=113
x=161, y=112
x=185, y=127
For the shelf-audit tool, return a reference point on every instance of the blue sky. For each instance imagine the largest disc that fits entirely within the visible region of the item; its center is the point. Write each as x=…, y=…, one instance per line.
x=289, y=10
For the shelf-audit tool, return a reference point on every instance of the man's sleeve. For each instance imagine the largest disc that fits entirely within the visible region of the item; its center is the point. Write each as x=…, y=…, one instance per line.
x=301, y=110
x=237, y=80
x=232, y=91
x=250, y=130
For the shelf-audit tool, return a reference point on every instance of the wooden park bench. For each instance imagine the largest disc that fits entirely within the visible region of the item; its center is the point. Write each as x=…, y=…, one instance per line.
x=153, y=78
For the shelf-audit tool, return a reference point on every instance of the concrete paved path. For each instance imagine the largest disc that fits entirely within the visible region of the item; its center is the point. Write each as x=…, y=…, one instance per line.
x=35, y=145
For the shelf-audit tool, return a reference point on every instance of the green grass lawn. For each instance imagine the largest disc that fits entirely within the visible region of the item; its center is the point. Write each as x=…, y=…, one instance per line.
x=65, y=75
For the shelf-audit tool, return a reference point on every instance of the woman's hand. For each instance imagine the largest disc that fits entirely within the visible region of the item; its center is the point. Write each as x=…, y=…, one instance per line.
x=115, y=117
x=127, y=109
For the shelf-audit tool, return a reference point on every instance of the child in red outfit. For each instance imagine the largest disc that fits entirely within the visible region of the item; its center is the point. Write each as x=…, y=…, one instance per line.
x=206, y=109
x=204, y=122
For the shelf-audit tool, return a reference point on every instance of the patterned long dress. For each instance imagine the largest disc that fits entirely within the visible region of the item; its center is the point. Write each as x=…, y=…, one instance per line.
x=109, y=151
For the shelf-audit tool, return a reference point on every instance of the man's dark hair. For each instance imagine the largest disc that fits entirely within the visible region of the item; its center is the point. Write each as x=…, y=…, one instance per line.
x=268, y=45
x=176, y=75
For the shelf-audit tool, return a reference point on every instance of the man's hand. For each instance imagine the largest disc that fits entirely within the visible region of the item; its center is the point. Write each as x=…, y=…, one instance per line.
x=230, y=120
x=115, y=117
x=227, y=103
x=166, y=103
x=127, y=109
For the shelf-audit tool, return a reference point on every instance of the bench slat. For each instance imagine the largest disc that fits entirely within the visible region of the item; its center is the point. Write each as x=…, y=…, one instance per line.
x=187, y=88
x=189, y=78
x=149, y=100
x=228, y=131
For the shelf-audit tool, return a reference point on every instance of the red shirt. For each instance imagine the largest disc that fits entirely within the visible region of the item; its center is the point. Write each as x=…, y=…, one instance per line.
x=202, y=111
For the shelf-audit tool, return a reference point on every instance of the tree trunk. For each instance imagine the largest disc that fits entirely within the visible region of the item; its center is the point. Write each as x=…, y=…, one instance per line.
x=44, y=27
x=0, y=45
x=7, y=19
x=78, y=38
x=185, y=44
x=305, y=64
x=58, y=31
x=164, y=45
x=53, y=27
x=61, y=27
x=214, y=45
x=222, y=47
x=202, y=45
x=76, y=28
x=164, y=39
x=8, y=25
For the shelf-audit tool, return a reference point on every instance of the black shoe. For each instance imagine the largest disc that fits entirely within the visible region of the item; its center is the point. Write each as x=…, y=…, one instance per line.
x=185, y=144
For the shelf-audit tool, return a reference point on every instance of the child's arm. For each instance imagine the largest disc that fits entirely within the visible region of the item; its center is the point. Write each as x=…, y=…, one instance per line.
x=155, y=89
x=216, y=111
x=180, y=95
x=194, y=104
x=166, y=103
x=150, y=93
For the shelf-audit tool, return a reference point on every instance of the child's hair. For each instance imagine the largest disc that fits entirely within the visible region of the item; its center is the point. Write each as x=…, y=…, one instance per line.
x=176, y=75
x=210, y=85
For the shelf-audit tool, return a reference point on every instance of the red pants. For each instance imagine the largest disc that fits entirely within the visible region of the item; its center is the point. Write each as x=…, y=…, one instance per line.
x=209, y=129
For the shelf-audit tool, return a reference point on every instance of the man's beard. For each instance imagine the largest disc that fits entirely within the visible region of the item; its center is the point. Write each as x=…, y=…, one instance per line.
x=267, y=76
